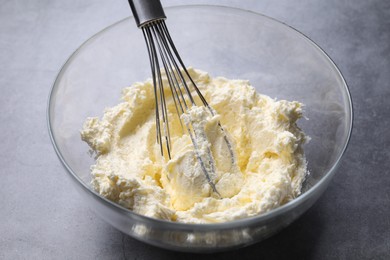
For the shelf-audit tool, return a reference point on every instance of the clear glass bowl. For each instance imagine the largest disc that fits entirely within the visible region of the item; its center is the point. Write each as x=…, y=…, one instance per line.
x=279, y=62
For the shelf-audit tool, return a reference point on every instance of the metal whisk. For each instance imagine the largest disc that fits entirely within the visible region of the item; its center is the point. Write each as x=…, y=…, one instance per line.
x=149, y=16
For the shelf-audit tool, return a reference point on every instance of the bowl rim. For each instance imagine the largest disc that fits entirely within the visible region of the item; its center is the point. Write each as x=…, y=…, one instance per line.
x=205, y=226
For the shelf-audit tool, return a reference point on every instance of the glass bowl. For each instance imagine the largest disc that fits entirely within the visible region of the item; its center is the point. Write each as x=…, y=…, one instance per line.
x=278, y=60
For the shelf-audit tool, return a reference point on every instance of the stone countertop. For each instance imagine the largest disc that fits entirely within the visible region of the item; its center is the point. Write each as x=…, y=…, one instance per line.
x=42, y=216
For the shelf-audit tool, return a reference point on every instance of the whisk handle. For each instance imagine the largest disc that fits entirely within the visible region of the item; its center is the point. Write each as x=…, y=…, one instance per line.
x=146, y=11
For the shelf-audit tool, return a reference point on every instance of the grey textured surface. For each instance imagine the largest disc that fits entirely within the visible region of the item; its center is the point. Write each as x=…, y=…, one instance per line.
x=40, y=212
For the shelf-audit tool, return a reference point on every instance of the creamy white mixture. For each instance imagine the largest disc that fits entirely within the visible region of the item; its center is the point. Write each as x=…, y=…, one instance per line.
x=267, y=170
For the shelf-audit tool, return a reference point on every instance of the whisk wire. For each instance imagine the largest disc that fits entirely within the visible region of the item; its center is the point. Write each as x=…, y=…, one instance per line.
x=171, y=77
x=158, y=41
x=200, y=95
x=158, y=93
x=175, y=56
x=172, y=45
x=149, y=16
x=151, y=61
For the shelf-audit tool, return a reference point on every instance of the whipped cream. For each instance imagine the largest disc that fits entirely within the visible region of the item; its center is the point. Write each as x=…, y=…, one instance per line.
x=265, y=170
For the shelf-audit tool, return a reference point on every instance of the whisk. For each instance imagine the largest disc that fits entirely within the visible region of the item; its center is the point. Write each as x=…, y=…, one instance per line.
x=150, y=17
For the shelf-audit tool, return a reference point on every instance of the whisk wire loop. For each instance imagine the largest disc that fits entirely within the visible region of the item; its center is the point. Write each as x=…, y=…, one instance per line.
x=158, y=41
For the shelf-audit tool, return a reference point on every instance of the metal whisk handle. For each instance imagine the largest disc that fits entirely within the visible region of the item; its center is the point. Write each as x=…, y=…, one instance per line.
x=146, y=11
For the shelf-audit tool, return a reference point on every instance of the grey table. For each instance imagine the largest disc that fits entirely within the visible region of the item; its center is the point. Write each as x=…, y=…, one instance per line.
x=41, y=216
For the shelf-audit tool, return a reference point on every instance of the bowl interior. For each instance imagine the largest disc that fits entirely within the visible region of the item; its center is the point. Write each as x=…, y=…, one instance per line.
x=276, y=59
